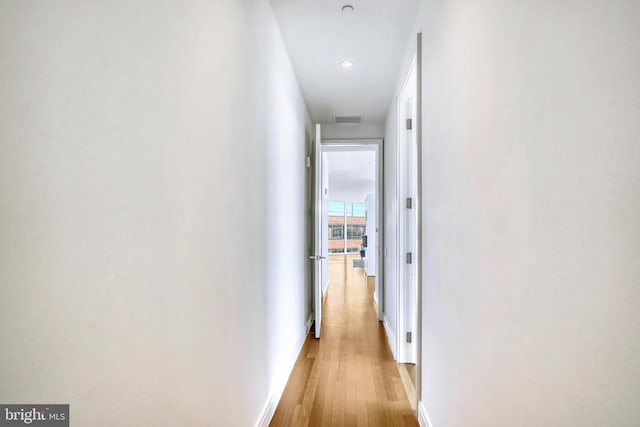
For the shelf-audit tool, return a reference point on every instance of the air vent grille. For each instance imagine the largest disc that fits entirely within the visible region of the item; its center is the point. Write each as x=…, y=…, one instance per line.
x=348, y=119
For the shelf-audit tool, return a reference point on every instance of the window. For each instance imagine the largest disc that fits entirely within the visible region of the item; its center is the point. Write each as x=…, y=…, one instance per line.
x=356, y=209
x=335, y=208
x=347, y=225
x=336, y=232
x=355, y=231
x=359, y=210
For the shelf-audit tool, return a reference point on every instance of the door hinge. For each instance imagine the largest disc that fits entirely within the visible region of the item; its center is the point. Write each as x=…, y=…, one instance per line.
x=409, y=337
x=409, y=202
x=409, y=257
x=409, y=124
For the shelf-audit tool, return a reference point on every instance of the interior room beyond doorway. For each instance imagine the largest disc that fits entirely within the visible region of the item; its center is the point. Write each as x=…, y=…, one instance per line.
x=351, y=212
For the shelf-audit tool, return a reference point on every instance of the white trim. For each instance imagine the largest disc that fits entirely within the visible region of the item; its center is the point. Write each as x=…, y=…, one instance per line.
x=407, y=78
x=318, y=232
x=423, y=416
x=391, y=337
x=280, y=383
x=419, y=208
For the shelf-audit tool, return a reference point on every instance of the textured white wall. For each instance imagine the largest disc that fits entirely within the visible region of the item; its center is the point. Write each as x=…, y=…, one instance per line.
x=136, y=209
x=532, y=191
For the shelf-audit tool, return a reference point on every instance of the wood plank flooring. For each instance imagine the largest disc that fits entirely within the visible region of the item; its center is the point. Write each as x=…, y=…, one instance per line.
x=349, y=377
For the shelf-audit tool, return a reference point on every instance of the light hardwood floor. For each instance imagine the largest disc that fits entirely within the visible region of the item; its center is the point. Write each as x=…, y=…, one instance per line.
x=348, y=377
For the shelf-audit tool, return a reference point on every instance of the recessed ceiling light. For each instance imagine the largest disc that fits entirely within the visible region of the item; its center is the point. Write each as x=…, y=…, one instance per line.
x=346, y=64
x=347, y=8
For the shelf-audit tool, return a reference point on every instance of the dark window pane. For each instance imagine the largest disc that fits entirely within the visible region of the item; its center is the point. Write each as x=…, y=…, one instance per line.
x=336, y=232
x=355, y=231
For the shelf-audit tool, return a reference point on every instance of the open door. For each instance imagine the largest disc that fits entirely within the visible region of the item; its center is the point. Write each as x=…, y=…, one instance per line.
x=318, y=257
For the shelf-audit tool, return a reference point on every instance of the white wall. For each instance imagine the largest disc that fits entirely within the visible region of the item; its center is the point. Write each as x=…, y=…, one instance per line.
x=352, y=131
x=390, y=225
x=532, y=199
x=138, y=200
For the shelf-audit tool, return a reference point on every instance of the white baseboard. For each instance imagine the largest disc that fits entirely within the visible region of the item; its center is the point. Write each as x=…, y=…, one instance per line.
x=391, y=336
x=281, y=383
x=423, y=416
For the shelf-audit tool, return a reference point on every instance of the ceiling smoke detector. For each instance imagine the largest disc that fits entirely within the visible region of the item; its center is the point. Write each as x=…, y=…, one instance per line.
x=347, y=8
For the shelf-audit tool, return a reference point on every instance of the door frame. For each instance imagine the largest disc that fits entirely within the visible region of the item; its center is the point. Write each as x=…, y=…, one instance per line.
x=420, y=209
x=407, y=231
x=377, y=145
x=420, y=256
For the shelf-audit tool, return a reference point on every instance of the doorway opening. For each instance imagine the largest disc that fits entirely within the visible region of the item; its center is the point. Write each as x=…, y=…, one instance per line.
x=348, y=214
x=351, y=215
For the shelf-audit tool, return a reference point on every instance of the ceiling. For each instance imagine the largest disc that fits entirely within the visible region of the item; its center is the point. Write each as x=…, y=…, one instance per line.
x=351, y=175
x=319, y=36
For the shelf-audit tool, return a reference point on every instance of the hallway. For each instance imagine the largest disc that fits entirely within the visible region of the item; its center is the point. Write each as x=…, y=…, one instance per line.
x=157, y=198
x=349, y=376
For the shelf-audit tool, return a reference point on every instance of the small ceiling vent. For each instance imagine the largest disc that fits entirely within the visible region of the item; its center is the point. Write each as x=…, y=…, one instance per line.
x=348, y=119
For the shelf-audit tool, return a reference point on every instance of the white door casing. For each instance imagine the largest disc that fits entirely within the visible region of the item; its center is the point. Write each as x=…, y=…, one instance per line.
x=376, y=146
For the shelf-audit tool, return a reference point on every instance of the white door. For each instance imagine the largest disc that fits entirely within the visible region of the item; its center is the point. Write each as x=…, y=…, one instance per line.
x=318, y=257
x=410, y=237
x=324, y=225
x=408, y=223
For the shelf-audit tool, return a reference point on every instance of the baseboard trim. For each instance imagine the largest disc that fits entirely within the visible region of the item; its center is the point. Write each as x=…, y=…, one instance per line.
x=391, y=337
x=276, y=393
x=423, y=416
